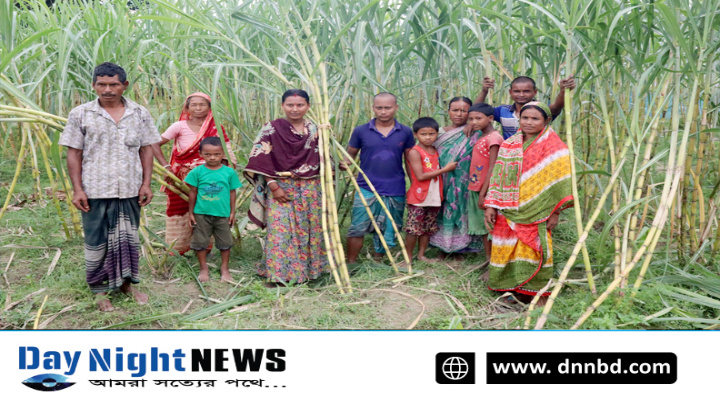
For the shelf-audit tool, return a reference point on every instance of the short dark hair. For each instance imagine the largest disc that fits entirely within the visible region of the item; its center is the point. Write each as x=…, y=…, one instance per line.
x=459, y=98
x=187, y=102
x=385, y=93
x=109, y=69
x=523, y=79
x=211, y=140
x=425, y=122
x=296, y=92
x=483, y=108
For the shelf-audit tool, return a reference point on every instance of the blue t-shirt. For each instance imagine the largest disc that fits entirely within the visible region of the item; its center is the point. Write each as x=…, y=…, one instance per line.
x=381, y=157
x=505, y=115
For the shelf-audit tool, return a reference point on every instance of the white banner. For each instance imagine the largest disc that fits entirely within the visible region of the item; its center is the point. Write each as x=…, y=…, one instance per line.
x=326, y=367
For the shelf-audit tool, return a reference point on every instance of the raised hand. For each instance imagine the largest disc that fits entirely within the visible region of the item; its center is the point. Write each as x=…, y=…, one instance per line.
x=568, y=83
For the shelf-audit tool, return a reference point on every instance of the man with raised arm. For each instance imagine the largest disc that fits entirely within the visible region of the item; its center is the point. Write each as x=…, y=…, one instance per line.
x=522, y=91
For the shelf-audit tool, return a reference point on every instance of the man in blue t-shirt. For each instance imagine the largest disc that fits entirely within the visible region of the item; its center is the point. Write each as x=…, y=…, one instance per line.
x=384, y=142
x=522, y=91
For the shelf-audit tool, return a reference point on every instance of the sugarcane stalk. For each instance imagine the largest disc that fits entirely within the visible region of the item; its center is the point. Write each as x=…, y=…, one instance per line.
x=33, y=117
x=702, y=141
x=649, y=146
x=34, y=164
x=33, y=112
x=18, y=168
x=382, y=204
x=375, y=226
x=666, y=201
x=53, y=190
x=165, y=172
x=244, y=198
x=169, y=249
x=171, y=188
x=573, y=177
x=578, y=246
x=534, y=302
x=626, y=253
x=329, y=214
x=324, y=219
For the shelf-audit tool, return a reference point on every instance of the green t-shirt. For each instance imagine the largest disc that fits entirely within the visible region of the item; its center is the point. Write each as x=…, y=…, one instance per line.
x=214, y=187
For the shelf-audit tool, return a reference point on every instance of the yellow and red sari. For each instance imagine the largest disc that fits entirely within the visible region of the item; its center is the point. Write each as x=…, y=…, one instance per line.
x=530, y=181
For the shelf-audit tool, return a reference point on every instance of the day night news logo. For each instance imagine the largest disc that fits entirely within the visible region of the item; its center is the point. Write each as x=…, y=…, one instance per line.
x=138, y=365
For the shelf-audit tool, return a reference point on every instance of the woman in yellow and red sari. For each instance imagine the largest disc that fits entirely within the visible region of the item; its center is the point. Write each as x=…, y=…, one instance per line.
x=529, y=186
x=196, y=123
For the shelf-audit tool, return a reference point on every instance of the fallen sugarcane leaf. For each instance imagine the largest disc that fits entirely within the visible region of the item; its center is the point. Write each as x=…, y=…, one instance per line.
x=211, y=299
x=353, y=303
x=243, y=308
x=54, y=262
x=187, y=306
x=167, y=282
x=12, y=255
x=143, y=320
x=27, y=297
x=220, y=307
x=408, y=277
x=480, y=267
x=212, y=310
x=46, y=322
x=293, y=326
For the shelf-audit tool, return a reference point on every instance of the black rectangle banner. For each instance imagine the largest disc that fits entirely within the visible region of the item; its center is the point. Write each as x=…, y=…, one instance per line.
x=581, y=368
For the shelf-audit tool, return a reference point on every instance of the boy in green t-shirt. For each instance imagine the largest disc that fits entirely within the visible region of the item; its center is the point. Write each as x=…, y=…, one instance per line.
x=212, y=206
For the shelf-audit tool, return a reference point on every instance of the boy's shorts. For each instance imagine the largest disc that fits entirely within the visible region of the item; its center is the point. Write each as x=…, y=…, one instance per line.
x=209, y=225
x=422, y=220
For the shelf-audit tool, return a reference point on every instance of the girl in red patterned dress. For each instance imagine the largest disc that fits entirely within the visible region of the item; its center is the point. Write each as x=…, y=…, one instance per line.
x=481, y=166
x=425, y=195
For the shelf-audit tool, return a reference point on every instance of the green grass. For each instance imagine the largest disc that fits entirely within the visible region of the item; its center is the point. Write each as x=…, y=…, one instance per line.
x=317, y=305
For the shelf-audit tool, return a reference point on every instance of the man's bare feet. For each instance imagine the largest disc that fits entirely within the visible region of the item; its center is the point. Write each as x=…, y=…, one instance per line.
x=378, y=257
x=104, y=304
x=139, y=297
x=225, y=274
x=426, y=259
x=204, y=275
x=485, y=277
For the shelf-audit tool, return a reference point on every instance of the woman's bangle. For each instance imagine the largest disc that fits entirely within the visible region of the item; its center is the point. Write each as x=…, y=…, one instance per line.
x=167, y=165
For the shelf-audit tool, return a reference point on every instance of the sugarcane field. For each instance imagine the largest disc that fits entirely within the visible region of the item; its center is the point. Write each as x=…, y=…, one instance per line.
x=374, y=164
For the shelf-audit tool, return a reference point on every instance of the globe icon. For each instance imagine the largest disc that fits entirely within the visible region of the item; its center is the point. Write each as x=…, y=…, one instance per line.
x=455, y=368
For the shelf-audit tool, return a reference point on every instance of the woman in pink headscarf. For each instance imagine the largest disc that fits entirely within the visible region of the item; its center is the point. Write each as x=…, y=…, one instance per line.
x=196, y=123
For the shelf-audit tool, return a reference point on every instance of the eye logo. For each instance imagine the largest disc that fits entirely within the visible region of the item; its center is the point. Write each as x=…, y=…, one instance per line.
x=48, y=382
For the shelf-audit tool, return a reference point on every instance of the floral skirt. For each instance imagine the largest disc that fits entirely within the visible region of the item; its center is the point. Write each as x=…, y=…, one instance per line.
x=294, y=245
